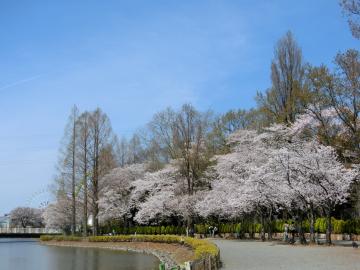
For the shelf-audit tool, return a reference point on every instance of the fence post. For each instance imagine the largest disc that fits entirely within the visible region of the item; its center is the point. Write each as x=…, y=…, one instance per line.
x=187, y=266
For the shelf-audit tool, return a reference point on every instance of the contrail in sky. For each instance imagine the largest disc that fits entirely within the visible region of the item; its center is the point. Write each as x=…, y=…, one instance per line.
x=19, y=82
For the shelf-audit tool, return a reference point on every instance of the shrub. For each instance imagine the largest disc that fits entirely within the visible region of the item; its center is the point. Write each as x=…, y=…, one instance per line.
x=202, y=248
x=338, y=226
x=352, y=226
x=200, y=228
x=278, y=226
x=60, y=238
x=257, y=228
x=306, y=226
x=320, y=225
x=238, y=228
x=168, y=230
x=46, y=237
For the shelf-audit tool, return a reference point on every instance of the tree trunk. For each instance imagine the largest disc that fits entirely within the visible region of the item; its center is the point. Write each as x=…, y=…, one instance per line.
x=262, y=233
x=270, y=226
x=329, y=227
x=301, y=231
x=82, y=154
x=95, y=181
x=312, y=225
x=85, y=217
x=95, y=212
x=73, y=195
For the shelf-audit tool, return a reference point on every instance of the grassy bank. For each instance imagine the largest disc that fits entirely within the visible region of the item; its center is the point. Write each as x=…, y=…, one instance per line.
x=202, y=248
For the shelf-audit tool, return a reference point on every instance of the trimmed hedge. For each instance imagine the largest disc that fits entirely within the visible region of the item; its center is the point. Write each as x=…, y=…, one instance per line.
x=201, y=247
x=60, y=238
x=152, y=230
x=351, y=226
x=338, y=226
x=244, y=227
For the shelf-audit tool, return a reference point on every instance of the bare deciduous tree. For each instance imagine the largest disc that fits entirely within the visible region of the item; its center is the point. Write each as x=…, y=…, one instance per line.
x=102, y=142
x=67, y=178
x=83, y=156
x=283, y=101
x=351, y=9
x=122, y=151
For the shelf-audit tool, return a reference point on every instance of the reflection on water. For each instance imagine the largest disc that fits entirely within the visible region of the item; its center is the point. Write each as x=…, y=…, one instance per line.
x=20, y=254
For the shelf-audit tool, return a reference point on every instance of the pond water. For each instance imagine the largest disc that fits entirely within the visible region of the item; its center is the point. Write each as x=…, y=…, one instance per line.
x=28, y=254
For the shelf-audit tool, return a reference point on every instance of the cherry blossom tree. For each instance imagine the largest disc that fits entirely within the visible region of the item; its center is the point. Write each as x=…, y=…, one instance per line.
x=315, y=177
x=57, y=215
x=313, y=172
x=273, y=170
x=245, y=183
x=114, y=201
x=154, y=195
x=321, y=179
x=26, y=217
x=224, y=200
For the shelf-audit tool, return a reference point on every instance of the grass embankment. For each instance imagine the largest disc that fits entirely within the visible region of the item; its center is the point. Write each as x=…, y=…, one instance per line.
x=202, y=248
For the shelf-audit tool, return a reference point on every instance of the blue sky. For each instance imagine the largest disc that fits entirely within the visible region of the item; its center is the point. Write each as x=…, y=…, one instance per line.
x=132, y=59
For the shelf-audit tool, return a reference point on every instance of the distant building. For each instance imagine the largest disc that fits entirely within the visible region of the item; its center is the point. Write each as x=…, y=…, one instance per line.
x=5, y=221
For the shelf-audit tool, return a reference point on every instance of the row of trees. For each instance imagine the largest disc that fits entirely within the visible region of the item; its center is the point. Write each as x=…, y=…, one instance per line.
x=280, y=171
x=87, y=153
x=295, y=155
x=284, y=170
x=90, y=150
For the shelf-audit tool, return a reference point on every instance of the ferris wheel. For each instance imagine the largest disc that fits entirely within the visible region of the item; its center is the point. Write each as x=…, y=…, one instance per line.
x=39, y=199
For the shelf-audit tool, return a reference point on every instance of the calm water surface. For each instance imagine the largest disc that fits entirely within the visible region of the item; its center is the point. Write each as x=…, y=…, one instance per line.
x=28, y=254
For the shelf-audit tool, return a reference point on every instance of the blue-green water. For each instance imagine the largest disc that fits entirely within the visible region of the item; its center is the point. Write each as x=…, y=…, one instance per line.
x=28, y=254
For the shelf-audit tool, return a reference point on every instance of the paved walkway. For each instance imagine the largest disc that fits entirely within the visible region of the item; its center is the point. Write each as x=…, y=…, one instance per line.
x=251, y=255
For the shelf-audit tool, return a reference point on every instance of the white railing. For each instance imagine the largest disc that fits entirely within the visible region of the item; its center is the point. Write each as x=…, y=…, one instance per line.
x=29, y=231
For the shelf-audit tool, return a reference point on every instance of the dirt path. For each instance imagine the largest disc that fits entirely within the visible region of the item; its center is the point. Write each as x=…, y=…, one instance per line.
x=251, y=255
